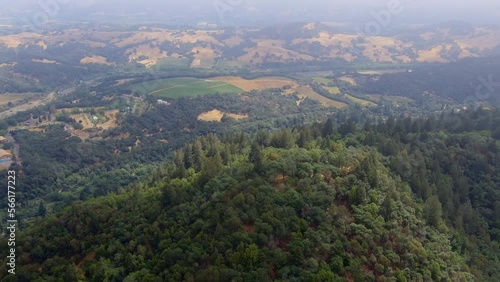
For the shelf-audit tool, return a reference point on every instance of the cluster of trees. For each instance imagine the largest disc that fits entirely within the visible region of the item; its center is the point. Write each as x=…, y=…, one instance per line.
x=467, y=80
x=402, y=200
x=71, y=169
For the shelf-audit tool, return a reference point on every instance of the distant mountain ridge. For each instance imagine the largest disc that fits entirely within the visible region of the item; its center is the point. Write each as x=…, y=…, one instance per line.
x=275, y=44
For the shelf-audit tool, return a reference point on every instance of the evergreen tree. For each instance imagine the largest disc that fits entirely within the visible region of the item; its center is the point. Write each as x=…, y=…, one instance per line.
x=42, y=210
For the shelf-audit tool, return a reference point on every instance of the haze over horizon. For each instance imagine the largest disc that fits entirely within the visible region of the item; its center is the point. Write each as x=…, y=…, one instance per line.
x=259, y=12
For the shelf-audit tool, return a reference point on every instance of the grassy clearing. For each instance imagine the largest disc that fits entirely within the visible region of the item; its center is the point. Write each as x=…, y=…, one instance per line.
x=216, y=115
x=260, y=83
x=174, y=88
x=321, y=80
x=349, y=80
x=360, y=101
x=308, y=92
x=211, y=116
x=394, y=99
x=370, y=72
x=33, y=103
x=333, y=90
x=6, y=98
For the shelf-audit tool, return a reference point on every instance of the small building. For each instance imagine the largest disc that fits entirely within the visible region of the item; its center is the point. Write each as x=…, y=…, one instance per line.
x=3, y=140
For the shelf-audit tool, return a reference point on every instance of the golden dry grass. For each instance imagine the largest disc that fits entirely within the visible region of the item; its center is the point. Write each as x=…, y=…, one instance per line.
x=382, y=49
x=28, y=106
x=482, y=39
x=152, y=54
x=404, y=58
x=6, y=98
x=333, y=90
x=308, y=92
x=45, y=61
x=211, y=116
x=433, y=54
x=122, y=81
x=338, y=43
x=8, y=65
x=42, y=44
x=94, y=44
x=95, y=60
x=112, y=122
x=160, y=36
x=376, y=48
x=237, y=116
x=349, y=80
x=328, y=39
x=85, y=120
x=15, y=40
x=271, y=51
x=203, y=57
x=310, y=26
x=233, y=41
x=216, y=115
x=342, y=54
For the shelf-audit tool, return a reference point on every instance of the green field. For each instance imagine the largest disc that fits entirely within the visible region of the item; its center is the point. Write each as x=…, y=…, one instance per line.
x=333, y=90
x=321, y=80
x=394, y=99
x=184, y=87
x=360, y=101
x=6, y=98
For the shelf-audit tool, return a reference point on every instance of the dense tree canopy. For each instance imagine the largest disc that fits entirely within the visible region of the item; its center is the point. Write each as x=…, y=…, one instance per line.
x=404, y=200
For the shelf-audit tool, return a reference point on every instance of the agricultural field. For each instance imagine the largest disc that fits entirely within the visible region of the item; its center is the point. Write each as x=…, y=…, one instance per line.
x=321, y=80
x=21, y=107
x=260, y=83
x=348, y=80
x=379, y=71
x=217, y=116
x=174, y=88
x=308, y=92
x=360, y=101
x=393, y=99
x=6, y=98
x=333, y=90
x=105, y=120
x=203, y=58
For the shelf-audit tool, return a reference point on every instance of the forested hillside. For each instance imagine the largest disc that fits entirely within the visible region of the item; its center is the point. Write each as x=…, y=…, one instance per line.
x=399, y=200
x=469, y=81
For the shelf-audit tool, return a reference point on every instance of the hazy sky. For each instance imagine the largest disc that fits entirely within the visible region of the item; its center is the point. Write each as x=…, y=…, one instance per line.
x=268, y=11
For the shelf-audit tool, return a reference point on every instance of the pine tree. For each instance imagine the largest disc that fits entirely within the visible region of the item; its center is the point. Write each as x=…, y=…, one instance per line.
x=42, y=210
